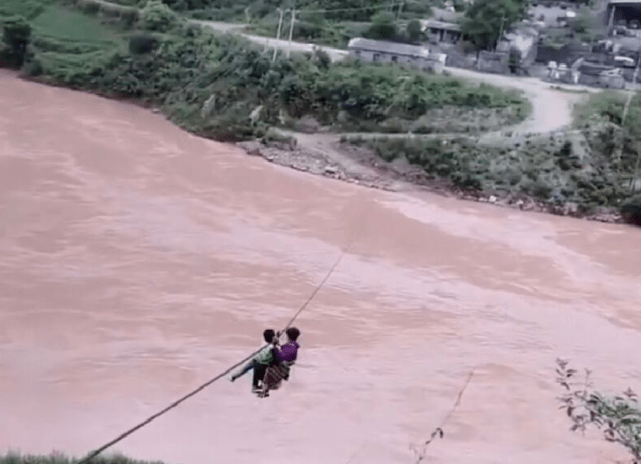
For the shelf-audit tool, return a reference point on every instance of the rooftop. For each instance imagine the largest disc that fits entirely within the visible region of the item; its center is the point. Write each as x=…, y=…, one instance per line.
x=434, y=24
x=395, y=48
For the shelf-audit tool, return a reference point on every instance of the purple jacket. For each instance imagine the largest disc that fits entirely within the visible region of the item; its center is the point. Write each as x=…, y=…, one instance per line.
x=287, y=352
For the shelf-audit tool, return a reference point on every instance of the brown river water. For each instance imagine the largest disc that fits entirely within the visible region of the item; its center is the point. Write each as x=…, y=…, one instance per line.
x=138, y=261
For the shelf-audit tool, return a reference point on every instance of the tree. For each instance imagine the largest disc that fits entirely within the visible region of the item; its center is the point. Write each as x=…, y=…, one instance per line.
x=15, y=39
x=631, y=210
x=485, y=20
x=383, y=27
x=156, y=16
x=459, y=5
x=414, y=30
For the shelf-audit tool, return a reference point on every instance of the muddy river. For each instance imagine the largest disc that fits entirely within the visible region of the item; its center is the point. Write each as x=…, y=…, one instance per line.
x=138, y=261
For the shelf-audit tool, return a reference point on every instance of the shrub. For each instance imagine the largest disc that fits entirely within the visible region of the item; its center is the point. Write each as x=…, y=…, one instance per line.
x=631, y=210
x=15, y=40
x=33, y=68
x=91, y=8
x=414, y=30
x=383, y=27
x=140, y=44
x=618, y=416
x=156, y=16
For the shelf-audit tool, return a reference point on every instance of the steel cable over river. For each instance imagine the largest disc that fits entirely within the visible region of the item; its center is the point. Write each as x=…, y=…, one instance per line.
x=138, y=259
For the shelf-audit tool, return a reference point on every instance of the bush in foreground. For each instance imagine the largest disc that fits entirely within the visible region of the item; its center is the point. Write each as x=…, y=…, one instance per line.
x=619, y=416
x=59, y=458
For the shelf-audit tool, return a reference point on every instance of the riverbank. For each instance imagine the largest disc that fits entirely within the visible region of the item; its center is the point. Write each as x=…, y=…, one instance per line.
x=334, y=156
x=230, y=91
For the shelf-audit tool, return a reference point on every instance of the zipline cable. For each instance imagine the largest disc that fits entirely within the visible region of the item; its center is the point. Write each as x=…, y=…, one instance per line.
x=124, y=435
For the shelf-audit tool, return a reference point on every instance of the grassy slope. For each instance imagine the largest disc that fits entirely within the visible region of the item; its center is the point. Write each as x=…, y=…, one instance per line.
x=68, y=24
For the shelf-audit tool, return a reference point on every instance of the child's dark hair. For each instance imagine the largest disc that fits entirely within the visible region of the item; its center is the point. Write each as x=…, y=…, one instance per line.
x=293, y=333
x=269, y=335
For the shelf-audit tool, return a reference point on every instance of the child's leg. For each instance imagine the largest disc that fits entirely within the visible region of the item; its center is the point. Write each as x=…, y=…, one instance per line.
x=248, y=367
x=259, y=374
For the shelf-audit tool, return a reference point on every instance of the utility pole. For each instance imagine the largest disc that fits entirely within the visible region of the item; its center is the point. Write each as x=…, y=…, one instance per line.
x=625, y=114
x=280, y=22
x=400, y=7
x=291, y=31
x=498, y=41
x=633, y=183
x=631, y=94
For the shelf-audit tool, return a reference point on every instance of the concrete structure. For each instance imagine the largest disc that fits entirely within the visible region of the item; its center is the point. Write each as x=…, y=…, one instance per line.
x=562, y=73
x=443, y=26
x=600, y=75
x=525, y=39
x=442, y=32
x=493, y=62
x=391, y=52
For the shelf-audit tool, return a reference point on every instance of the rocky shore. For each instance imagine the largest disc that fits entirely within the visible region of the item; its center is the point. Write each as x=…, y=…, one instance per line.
x=325, y=155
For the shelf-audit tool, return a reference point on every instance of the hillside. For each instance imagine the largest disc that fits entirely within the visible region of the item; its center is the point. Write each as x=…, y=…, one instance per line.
x=343, y=10
x=225, y=88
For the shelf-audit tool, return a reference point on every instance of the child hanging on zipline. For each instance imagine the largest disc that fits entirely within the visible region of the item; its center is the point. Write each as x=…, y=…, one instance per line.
x=284, y=358
x=260, y=362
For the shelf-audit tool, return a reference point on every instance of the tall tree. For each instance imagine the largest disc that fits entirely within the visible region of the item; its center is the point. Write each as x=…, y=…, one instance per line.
x=383, y=27
x=485, y=20
x=414, y=30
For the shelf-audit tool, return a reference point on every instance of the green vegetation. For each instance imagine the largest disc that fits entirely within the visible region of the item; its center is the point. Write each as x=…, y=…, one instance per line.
x=610, y=104
x=328, y=10
x=631, y=210
x=29, y=9
x=486, y=20
x=15, y=39
x=594, y=169
x=565, y=173
x=315, y=27
x=58, y=458
x=224, y=88
x=618, y=416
